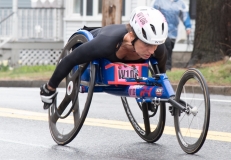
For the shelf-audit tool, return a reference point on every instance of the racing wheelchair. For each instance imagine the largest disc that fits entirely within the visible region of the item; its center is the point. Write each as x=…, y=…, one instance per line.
x=144, y=93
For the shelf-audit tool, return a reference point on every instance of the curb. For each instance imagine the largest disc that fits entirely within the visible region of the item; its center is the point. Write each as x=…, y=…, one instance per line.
x=23, y=83
x=218, y=90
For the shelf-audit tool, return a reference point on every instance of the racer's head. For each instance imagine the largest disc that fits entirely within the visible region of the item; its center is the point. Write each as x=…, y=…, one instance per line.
x=149, y=29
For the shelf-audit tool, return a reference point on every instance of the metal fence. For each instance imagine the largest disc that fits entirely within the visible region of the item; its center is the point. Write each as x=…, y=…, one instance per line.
x=32, y=23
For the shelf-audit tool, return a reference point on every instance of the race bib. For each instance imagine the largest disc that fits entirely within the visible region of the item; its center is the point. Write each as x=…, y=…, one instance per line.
x=127, y=72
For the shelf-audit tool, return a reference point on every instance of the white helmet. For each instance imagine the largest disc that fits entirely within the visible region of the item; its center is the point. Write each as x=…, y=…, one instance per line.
x=149, y=25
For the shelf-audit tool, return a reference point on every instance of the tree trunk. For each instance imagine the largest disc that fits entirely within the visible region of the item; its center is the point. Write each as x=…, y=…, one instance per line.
x=212, y=39
x=111, y=12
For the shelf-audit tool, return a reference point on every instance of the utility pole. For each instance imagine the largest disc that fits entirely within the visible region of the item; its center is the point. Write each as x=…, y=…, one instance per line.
x=111, y=12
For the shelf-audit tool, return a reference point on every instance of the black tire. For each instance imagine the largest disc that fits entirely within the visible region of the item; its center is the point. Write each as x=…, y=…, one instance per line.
x=149, y=125
x=61, y=132
x=192, y=125
x=151, y=129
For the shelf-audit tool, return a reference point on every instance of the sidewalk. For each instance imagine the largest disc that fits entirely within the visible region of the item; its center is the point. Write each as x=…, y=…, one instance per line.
x=219, y=90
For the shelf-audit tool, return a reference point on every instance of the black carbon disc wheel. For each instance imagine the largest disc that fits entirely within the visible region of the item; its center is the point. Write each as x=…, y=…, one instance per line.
x=147, y=119
x=148, y=126
x=64, y=126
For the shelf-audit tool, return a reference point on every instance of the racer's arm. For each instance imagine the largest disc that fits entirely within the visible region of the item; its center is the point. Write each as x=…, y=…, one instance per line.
x=94, y=49
x=102, y=46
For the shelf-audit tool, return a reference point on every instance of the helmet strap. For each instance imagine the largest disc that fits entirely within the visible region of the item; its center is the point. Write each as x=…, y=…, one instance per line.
x=133, y=42
x=135, y=39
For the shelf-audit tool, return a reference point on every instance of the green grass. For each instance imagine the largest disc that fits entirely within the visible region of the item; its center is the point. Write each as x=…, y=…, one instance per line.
x=214, y=74
x=27, y=73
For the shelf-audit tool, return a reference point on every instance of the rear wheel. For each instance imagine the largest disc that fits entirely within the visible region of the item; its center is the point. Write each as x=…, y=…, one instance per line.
x=66, y=120
x=147, y=119
x=192, y=124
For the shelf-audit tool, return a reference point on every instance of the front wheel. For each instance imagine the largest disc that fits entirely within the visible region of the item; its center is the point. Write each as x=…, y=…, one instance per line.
x=192, y=124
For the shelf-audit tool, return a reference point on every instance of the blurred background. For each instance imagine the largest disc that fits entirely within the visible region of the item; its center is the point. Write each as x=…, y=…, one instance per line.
x=33, y=32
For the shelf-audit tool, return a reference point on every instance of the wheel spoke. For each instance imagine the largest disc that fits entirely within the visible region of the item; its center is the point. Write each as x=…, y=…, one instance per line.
x=182, y=117
x=60, y=109
x=189, y=126
x=200, y=104
x=146, y=118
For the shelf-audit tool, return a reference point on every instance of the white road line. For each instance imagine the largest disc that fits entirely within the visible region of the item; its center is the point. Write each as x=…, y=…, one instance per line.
x=63, y=90
x=22, y=143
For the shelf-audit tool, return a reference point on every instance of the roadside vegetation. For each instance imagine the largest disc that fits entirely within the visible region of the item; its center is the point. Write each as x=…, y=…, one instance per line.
x=218, y=73
x=26, y=72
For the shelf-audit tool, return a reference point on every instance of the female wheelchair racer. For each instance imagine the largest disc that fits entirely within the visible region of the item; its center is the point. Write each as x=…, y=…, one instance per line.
x=87, y=62
x=132, y=43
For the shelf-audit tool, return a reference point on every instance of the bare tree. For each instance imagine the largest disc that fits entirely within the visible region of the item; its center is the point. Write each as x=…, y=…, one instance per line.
x=213, y=31
x=111, y=12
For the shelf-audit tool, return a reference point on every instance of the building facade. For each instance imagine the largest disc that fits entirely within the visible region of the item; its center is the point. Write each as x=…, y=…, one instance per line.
x=89, y=12
x=31, y=31
x=44, y=26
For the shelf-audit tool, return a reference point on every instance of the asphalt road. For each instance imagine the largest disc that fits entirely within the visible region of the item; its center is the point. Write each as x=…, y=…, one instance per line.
x=25, y=135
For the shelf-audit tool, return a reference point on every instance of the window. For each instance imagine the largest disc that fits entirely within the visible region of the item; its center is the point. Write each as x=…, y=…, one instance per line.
x=100, y=7
x=78, y=7
x=89, y=7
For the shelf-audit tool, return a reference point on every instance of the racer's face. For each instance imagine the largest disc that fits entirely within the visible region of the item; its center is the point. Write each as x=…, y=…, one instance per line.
x=143, y=49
